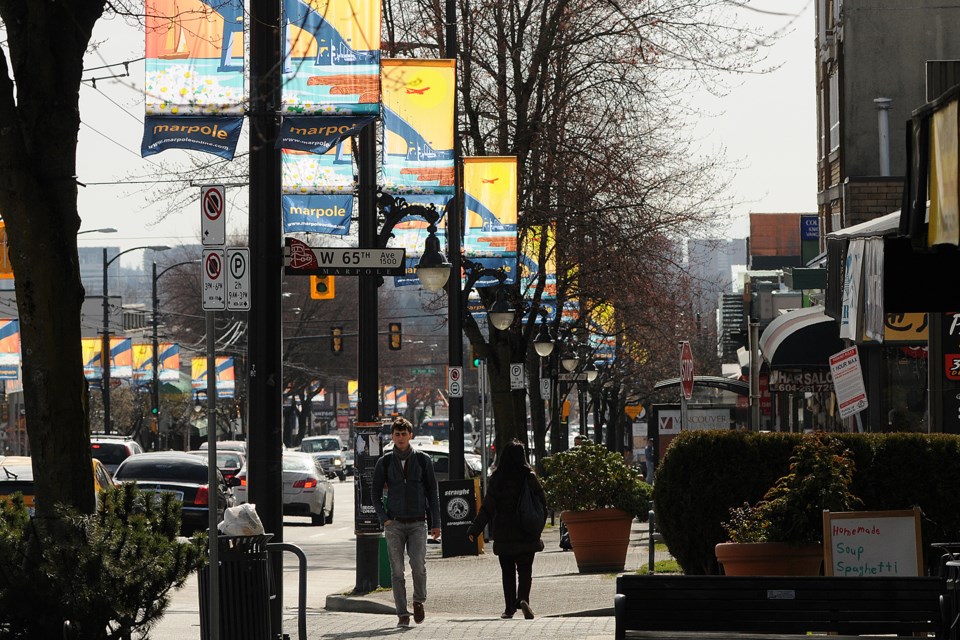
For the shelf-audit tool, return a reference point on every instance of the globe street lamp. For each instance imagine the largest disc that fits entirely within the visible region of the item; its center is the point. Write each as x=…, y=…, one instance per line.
x=433, y=268
x=543, y=343
x=105, y=349
x=155, y=364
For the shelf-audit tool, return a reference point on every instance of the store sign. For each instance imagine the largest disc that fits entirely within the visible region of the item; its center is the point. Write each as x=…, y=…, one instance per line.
x=801, y=381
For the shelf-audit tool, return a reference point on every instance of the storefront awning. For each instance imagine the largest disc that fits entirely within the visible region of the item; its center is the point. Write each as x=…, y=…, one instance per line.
x=801, y=339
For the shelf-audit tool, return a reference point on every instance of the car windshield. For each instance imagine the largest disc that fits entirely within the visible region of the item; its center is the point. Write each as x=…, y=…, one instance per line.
x=178, y=471
x=326, y=444
x=109, y=452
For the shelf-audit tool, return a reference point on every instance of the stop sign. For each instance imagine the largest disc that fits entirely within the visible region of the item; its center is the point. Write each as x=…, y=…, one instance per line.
x=686, y=370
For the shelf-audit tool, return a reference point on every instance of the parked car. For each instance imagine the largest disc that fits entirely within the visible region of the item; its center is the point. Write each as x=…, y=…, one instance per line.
x=306, y=489
x=185, y=476
x=440, y=456
x=16, y=475
x=229, y=462
x=328, y=451
x=112, y=450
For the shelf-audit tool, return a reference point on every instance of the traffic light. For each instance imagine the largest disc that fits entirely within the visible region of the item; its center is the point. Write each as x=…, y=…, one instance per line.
x=322, y=288
x=336, y=339
x=475, y=359
x=396, y=336
x=155, y=411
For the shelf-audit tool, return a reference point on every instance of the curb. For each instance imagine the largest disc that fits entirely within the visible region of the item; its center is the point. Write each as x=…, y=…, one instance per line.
x=357, y=604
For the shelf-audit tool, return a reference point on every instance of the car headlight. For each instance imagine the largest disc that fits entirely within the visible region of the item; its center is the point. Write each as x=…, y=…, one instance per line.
x=337, y=462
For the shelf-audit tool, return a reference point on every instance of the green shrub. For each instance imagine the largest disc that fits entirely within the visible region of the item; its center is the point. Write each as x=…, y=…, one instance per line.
x=703, y=474
x=110, y=573
x=592, y=477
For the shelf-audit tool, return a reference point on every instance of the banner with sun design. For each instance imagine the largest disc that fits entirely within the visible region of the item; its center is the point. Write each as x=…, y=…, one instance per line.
x=490, y=204
x=331, y=57
x=417, y=117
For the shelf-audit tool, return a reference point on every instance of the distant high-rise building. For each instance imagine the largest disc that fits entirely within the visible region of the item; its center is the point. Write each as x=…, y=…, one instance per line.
x=710, y=264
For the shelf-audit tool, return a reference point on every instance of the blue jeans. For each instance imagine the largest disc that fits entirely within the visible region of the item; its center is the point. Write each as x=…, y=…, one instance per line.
x=412, y=537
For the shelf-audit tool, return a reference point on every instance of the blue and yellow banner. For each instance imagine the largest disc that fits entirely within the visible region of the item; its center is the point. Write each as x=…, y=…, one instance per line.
x=331, y=57
x=353, y=393
x=121, y=358
x=417, y=114
x=506, y=263
x=317, y=135
x=401, y=399
x=317, y=214
x=602, y=337
x=538, y=253
x=225, y=376
x=91, y=349
x=142, y=362
x=169, y=362
x=194, y=87
x=490, y=202
x=218, y=136
x=194, y=58
x=9, y=349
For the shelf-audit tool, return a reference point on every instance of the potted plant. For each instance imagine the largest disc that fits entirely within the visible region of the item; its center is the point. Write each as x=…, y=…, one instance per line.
x=783, y=533
x=598, y=496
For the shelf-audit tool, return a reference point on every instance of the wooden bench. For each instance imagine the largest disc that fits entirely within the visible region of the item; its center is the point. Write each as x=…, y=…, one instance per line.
x=770, y=604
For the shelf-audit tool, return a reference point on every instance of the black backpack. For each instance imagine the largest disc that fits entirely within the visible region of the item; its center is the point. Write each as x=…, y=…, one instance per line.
x=531, y=512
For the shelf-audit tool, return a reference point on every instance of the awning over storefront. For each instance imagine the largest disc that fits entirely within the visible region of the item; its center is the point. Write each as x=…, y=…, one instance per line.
x=801, y=339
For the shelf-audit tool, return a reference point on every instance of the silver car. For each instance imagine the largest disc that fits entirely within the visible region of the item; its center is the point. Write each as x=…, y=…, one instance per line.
x=306, y=489
x=328, y=451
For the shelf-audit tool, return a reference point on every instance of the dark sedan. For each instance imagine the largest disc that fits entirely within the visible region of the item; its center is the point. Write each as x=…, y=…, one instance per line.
x=183, y=475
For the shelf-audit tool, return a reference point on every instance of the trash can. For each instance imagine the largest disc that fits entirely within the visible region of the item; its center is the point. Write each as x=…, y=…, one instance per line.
x=386, y=579
x=244, y=589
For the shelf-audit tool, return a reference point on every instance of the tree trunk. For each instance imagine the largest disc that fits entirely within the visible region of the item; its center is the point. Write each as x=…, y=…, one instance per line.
x=38, y=199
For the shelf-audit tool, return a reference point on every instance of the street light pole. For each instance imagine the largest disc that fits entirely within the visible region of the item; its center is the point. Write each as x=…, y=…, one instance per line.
x=105, y=347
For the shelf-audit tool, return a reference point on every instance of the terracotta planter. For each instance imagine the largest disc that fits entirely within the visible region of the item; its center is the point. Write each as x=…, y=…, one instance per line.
x=770, y=558
x=600, y=538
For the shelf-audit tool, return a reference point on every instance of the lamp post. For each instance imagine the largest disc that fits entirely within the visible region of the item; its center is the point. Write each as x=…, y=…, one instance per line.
x=105, y=349
x=155, y=364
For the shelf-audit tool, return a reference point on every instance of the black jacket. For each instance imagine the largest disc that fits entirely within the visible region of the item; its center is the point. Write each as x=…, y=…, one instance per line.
x=410, y=495
x=500, y=507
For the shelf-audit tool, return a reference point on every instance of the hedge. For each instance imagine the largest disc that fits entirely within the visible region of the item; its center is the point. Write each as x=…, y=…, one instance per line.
x=704, y=473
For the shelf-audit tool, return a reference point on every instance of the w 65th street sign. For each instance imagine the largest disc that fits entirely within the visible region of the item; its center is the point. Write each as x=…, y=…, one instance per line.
x=686, y=369
x=301, y=259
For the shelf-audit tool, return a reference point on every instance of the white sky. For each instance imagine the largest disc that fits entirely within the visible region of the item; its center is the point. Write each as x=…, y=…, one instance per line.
x=767, y=125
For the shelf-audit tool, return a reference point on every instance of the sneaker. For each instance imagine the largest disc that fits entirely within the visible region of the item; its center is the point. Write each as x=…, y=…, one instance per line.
x=404, y=621
x=527, y=611
x=418, y=614
x=506, y=615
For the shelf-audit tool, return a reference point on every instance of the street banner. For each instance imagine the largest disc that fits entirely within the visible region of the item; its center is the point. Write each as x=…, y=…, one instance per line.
x=317, y=135
x=411, y=232
x=490, y=205
x=389, y=398
x=506, y=263
x=91, y=349
x=169, y=362
x=194, y=86
x=143, y=362
x=9, y=349
x=6, y=269
x=401, y=400
x=418, y=104
x=217, y=136
x=409, y=277
x=224, y=372
x=538, y=254
x=944, y=186
x=602, y=337
x=121, y=358
x=305, y=173
x=331, y=57
x=317, y=214
x=352, y=393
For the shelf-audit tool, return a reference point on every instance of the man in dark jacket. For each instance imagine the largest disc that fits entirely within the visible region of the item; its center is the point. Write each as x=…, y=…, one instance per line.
x=412, y=507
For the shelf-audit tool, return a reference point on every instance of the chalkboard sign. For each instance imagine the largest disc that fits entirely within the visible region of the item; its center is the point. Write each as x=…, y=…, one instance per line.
x=872, y=543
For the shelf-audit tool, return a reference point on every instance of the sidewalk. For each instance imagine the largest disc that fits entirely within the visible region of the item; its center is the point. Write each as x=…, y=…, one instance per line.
x=464, y=601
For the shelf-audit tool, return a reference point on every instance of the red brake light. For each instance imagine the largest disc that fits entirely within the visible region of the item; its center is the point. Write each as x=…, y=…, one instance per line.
x=203, y=495
x=94, y=446
x=304, y=484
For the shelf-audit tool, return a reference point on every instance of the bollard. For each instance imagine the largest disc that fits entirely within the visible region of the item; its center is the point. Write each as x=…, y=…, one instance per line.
x=651, y=534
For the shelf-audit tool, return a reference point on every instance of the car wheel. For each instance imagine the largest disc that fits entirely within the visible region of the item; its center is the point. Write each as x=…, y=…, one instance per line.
x=318, y=520
x=330, y=516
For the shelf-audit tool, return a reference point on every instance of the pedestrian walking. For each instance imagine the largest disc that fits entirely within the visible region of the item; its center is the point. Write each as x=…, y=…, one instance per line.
x=648, y=459
x=513, y=545
x=412, y=507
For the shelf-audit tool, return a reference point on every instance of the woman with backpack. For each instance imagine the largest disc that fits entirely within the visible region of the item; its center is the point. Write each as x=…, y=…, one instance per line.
x=516, y=506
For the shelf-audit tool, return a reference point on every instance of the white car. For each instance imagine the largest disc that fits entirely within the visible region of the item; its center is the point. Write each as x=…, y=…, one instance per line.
x=306, y=489
x=440, y=456
x=328, y=451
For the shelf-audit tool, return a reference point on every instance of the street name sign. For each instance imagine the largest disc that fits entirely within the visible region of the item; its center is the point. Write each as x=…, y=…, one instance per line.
x=304, y=260
x=686, y=369
x=423, y=371
x=238, y=279
x=213, y=219
x=214, y=281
